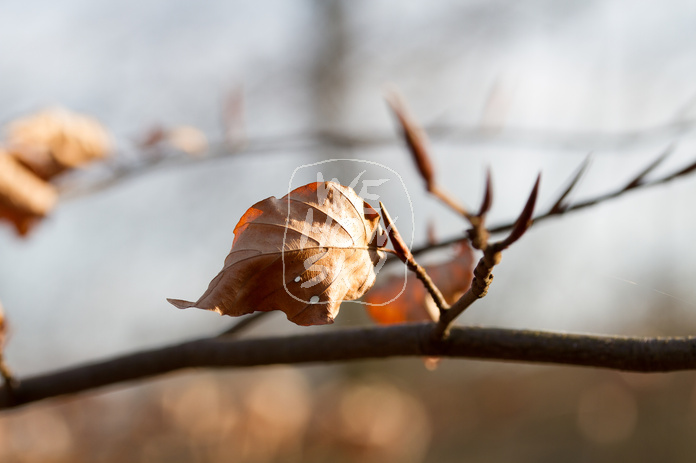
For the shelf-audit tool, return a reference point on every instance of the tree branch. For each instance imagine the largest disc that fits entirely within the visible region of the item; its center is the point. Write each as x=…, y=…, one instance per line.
x=614, y=352
x=321, y=139
x=556, y=210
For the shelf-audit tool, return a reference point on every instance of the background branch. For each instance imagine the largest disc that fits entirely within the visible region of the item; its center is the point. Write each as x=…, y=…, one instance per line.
x=615, y=352
x=316, y=139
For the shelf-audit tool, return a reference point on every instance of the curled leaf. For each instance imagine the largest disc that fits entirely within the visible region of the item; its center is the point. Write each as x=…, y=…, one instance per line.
x=24, y=198
x=56, y=140
x=302, y=254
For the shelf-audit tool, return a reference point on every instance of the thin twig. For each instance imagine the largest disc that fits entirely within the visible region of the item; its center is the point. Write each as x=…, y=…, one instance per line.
x=478, y=234
x=242, y=325
x=403, y=253
x=320, y=139
x=449, y=200
x=560, y=206
x=638, y=179
x=615, y=352
x=507, y=226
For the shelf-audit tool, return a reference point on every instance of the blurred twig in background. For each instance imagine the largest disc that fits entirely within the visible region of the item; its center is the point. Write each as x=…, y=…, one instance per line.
x=323, y=139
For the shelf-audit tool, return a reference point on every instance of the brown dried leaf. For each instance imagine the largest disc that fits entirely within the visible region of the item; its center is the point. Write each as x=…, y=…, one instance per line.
x=188, y=139
x=453, y=278
x=302, y=254
x=56, y=140
x=24, y=198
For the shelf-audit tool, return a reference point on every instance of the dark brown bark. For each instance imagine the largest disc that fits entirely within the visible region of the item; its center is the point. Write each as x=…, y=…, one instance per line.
x=614, y=352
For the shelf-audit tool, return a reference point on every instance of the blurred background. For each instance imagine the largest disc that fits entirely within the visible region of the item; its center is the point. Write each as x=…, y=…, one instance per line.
x=255, y=90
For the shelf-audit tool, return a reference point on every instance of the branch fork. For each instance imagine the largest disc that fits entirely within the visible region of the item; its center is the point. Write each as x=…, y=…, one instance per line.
x=417, y=142
x=492, y=255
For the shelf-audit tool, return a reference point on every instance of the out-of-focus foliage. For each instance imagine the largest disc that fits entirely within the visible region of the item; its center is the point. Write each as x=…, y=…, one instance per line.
x=475, y=414
x=275, y=415
x=55, y=140
x=188, y=139
x=184, y=138
x=39, y=147
x=24, y=197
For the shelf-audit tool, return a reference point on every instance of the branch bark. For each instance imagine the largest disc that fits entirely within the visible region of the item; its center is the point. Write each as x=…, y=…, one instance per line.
x=614, y=352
